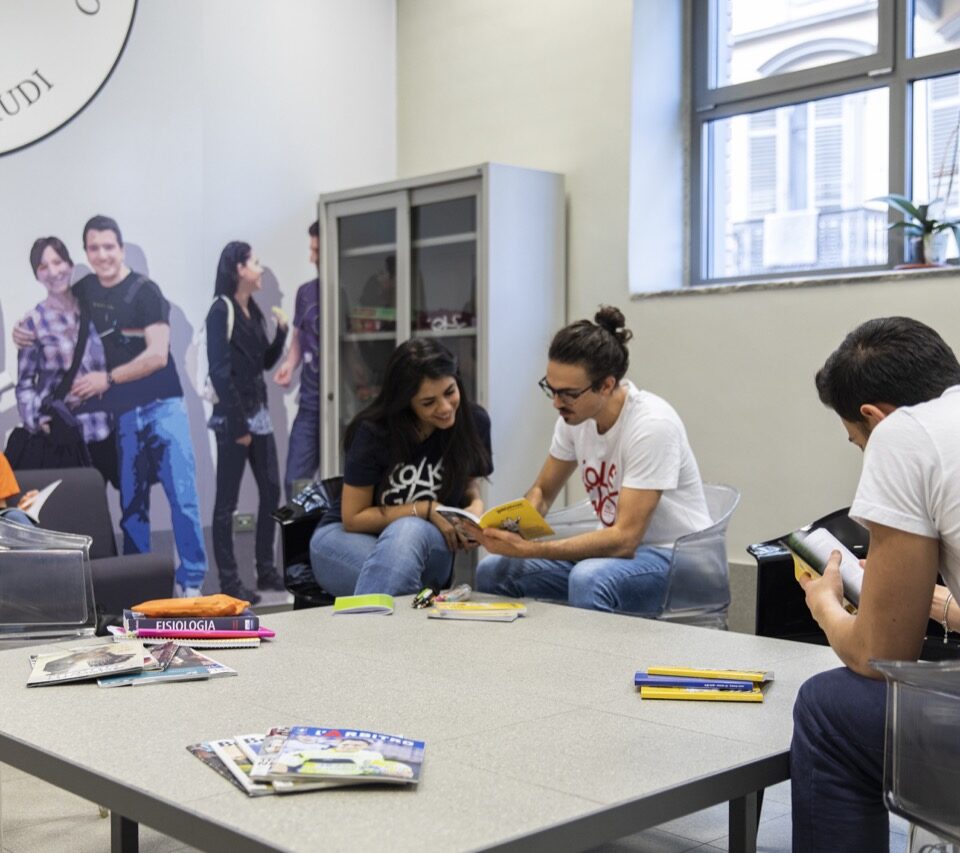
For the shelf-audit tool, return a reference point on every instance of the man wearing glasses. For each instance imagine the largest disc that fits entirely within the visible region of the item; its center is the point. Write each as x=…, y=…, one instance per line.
x=637, y=467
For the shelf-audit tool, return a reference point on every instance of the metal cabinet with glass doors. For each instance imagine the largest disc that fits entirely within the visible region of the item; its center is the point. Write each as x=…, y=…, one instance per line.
x=473, y=258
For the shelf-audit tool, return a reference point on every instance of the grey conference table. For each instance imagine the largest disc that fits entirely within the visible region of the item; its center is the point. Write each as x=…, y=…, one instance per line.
x=535, y=736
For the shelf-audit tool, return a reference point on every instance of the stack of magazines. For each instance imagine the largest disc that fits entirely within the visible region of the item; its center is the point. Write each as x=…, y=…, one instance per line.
x=124, y=663
x=294, y=759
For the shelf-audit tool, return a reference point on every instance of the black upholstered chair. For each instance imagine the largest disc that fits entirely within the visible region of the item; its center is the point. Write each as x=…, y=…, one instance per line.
x=79, y=505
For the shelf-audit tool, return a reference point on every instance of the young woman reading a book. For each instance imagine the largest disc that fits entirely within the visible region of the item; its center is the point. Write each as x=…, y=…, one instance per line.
x=419, y=444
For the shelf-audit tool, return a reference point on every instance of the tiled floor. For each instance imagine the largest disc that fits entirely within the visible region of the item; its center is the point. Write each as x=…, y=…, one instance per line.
x=38, y=818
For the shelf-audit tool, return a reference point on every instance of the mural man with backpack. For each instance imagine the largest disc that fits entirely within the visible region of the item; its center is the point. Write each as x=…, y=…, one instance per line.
x=143, y=389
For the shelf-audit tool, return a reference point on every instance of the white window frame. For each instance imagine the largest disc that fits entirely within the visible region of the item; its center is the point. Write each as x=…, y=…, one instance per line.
x=890, y=67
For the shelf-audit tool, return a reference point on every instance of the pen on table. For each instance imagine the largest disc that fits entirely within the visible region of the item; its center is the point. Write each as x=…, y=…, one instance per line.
x=423, y=598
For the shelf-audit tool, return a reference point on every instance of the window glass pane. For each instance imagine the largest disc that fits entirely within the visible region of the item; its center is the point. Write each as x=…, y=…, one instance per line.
x=936, y=26
x=790, y=187
x=753, y=39
x=936, y=125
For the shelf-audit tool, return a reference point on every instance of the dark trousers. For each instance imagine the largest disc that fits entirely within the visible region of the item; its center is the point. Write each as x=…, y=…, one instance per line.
x=303, y=451
x=836, y=765
x=231, y=460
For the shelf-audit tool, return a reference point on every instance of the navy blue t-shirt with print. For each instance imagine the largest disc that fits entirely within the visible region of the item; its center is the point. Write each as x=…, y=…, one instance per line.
x=367, y=464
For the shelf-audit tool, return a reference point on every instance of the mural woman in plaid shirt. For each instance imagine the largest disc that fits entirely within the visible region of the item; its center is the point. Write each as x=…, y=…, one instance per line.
x=40, y=366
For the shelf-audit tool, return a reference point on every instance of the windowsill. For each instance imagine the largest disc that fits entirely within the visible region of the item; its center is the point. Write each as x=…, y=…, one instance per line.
x=805, y=281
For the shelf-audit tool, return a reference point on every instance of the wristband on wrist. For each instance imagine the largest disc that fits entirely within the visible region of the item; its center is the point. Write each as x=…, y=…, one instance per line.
x=944, y=620
x=413, y=509
x=109, y=378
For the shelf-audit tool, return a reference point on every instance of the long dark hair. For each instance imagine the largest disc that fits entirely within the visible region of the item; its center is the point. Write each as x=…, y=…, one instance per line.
x=234, y=254
x=464, y=454
x=600, y=347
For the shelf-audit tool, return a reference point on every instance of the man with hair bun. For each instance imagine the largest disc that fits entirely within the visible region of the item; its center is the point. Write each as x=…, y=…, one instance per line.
x=637, y=467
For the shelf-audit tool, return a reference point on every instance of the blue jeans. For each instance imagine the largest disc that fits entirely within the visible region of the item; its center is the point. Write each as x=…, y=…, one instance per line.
x=17, y=516
x=836, y=764
x=303, y=451
x=409, y=554
x=153, y=444
x=613, y=584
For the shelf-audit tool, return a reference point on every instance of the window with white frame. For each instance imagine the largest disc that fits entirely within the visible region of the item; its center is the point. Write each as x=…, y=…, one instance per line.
x=804, y=112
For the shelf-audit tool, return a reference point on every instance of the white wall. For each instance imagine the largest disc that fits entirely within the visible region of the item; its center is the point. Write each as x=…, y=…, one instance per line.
x=223, y=120
x=546, y=83
x=539, y=83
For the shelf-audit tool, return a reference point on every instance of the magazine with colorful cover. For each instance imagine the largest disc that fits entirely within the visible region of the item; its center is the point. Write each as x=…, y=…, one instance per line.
x=252, y=744
x=186, y=665
x=311, y=752
x=481, y=611
x=205, y=753
x=87, y=662
x=519, y=516
x=238, y=765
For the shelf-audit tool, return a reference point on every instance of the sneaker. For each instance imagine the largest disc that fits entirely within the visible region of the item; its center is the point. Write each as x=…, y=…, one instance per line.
x=238, y=590
x=180, y=591
x=271, y=581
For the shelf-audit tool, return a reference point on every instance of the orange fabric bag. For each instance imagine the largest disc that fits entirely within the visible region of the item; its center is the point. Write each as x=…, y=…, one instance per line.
x=201, y=605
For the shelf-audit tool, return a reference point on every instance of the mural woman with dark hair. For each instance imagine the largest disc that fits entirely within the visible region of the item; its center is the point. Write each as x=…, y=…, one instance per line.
x=239, y=352
x=420, y=443
x=46, y=407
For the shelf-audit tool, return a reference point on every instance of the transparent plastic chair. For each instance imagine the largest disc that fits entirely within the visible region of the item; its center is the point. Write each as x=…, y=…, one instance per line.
x=46, y=584
x=698, y=588
x=921, y=775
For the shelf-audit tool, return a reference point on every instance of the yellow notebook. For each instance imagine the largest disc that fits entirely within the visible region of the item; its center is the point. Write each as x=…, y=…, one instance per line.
x=697, y=694
x=692, y=672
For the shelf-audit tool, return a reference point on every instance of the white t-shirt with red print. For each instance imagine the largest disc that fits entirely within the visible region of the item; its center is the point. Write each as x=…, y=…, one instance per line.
x=647, y=448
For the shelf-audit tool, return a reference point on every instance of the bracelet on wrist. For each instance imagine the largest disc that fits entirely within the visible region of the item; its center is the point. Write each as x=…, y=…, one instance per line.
x=413, y=509
x=946, y=614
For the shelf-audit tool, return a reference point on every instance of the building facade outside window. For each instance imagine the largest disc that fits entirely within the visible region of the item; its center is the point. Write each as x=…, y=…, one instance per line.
x=803, y=113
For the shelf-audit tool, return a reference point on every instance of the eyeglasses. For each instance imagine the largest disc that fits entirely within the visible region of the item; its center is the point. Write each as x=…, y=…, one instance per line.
x=565, y=394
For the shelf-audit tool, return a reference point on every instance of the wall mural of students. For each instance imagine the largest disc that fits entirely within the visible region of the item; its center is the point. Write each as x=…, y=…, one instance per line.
x=239, y=352
x=59, y=430
x=140, y=386
x=303, y=451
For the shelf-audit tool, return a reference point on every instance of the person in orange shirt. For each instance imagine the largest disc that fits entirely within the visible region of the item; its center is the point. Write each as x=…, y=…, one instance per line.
x=10, y=487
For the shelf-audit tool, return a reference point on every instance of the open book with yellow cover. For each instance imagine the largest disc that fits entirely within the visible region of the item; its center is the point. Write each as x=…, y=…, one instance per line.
x=519, y=516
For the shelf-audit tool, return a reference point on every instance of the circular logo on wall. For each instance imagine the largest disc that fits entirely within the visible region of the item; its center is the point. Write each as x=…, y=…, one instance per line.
x=55, y=56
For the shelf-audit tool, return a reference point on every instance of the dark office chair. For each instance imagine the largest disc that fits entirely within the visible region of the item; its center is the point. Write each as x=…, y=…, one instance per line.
x=297, y=520
x=781, y=605
x=79, y=505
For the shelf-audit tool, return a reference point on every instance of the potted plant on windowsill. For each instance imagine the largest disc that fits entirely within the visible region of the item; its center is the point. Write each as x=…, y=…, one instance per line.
x=928, y=235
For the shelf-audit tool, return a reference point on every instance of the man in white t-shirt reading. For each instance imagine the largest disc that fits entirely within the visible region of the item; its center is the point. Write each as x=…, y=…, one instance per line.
x=638, y=470
x=895, y=384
